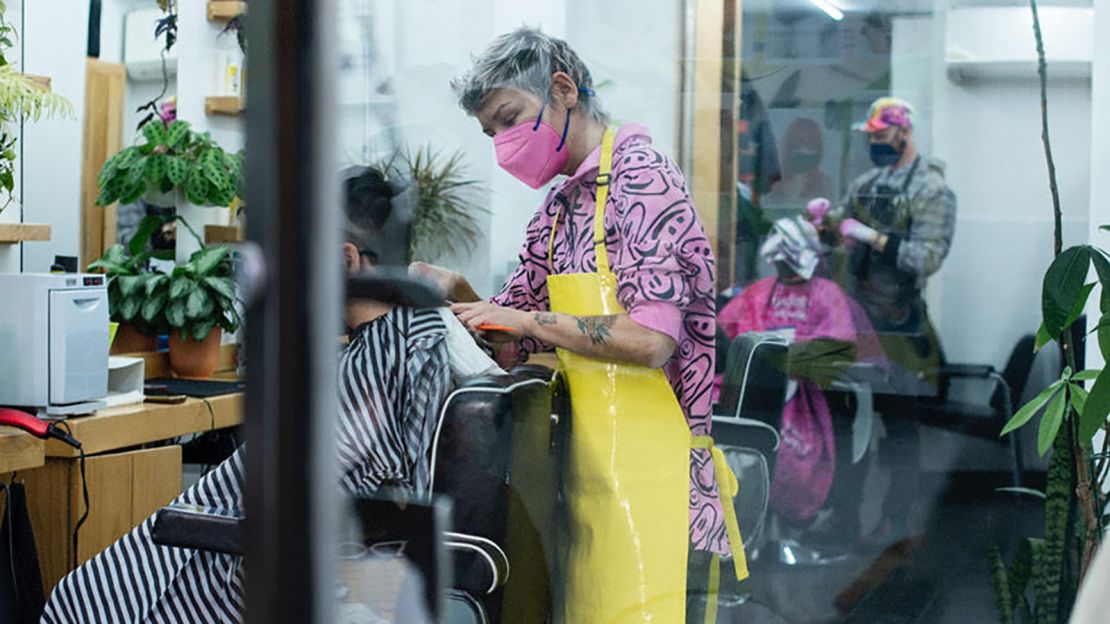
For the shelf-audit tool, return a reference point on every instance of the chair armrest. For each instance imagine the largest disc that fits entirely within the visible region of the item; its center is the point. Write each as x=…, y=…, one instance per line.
x=967, y=370
x=198, y=528
x=481, y=566
x=745, y=432
x=394, y=285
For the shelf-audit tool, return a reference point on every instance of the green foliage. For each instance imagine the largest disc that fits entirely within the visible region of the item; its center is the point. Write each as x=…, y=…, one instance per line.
x=172, y=157
x=1001, y=585
x=446, y=221
x=1058, y=493
x=1064, y=297
x=20, y=100
x=136, y=293
x=1063, y=283
x=201, y=294
x=1011, y=582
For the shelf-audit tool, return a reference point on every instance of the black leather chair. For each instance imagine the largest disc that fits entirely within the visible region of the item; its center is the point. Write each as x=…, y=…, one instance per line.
x=746, y=423
x=983, y=419
x=495, y=455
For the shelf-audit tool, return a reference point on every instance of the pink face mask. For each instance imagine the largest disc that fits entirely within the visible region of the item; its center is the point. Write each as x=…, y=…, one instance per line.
x=532, y=151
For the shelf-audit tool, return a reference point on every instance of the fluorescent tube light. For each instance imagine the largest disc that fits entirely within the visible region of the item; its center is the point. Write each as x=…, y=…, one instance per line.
x=829, y=9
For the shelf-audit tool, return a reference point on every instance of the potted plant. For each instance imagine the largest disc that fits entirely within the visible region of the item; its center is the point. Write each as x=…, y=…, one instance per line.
x=200, y=306
x=445, y=222
x=177, y=166
x=136, y=293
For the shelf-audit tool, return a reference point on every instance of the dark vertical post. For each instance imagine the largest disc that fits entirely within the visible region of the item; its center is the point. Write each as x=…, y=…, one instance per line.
x=292, y=325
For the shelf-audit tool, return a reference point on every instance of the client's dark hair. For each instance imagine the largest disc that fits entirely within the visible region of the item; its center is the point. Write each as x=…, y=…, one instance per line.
x=367, y=196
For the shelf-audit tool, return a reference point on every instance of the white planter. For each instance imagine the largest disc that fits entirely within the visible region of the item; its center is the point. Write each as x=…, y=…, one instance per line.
x=171, y=199
x=197, y=217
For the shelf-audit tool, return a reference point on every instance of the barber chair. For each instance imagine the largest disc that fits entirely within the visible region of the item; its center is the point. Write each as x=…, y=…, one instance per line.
x=492, y=434
x=746, y=428
x=495, y=455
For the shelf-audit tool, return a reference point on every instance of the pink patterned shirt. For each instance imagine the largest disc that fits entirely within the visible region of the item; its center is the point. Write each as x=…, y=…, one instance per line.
x=665, y=273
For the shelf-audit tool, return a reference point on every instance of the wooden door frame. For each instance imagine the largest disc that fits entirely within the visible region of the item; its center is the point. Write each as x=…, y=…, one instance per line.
x=709, y=105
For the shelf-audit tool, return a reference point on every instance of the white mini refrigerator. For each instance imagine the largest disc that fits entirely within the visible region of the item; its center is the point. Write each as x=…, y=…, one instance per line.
x=53, y=342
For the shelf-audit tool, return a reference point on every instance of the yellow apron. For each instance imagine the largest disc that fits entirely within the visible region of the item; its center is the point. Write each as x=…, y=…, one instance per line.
x=627, y=473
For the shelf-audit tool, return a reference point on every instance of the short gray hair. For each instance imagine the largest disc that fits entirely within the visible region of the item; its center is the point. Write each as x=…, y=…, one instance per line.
x=525, y=59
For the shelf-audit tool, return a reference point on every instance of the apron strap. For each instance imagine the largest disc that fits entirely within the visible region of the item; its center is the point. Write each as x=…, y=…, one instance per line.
x=604, y=175
x=727, y=487
x=551, y=242
x=714, y=590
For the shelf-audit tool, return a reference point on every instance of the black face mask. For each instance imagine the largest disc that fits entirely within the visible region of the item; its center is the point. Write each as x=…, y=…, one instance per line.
x=804, y=161
x=885, y=154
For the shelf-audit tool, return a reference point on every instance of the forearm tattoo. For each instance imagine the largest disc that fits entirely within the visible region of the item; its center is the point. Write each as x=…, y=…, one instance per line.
x=545, y=318
x=597, y=328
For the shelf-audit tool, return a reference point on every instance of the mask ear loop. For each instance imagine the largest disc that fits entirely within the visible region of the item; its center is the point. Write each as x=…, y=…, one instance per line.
x=543, y=108
x=566, y=126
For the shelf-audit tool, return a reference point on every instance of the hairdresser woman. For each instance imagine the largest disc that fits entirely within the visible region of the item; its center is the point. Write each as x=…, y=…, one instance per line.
x=616, y=274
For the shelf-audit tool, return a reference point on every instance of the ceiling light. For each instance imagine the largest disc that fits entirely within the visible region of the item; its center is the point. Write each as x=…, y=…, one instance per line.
x=829, y=9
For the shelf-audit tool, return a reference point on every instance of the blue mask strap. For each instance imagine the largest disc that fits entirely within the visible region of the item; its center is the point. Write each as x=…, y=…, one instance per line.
x=566, y=126
x=543, y=108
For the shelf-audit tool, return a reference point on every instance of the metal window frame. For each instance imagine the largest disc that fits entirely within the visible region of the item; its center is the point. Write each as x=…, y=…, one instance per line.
x=292, y=188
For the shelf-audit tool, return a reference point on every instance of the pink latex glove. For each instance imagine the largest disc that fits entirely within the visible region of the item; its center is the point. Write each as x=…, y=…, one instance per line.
x=817, y=209
x=850, y=228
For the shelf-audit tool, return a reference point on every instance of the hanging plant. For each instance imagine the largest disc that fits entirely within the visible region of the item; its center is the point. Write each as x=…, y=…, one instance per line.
x=165, y=29
x=173, y=157
x=21, y=99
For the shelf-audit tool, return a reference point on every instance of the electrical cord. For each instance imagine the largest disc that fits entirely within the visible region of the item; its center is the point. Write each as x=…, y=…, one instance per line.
x=11, y=537
x=84, y=494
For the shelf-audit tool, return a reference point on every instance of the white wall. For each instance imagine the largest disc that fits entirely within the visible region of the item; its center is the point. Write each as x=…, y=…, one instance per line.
x=988, y=132
x=112, y=16
x=55, y=37
x=201, y=52
x=1099, y=206
x=11, y=256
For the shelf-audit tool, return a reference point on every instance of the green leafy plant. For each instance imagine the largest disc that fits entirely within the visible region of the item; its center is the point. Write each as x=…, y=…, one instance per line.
x=446, y=220
x=172, y=156
x=21, y=99
x=1071, y=416
x=136, y=293
x=201, y=294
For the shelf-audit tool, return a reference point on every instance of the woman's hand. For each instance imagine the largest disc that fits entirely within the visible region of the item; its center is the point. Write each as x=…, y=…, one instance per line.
x=453, y=284
x=515, y=322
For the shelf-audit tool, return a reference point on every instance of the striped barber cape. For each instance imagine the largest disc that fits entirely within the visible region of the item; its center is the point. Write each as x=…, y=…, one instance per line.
x=392, y=378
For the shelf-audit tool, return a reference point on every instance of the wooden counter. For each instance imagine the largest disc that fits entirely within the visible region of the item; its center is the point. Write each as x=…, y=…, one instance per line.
x=19, y=450
x=131, y=425
x=126, y=483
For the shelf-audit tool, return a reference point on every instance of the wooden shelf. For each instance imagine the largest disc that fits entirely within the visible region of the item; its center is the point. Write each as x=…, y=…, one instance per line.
x=224, y=105
x=1017, y=70
x=42, y=82
x=224, y=10
x=11, y=233
x=225, y=234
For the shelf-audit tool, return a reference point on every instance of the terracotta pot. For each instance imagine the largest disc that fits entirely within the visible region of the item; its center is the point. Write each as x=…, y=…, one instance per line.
x=190, y=359
x=130, y=340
